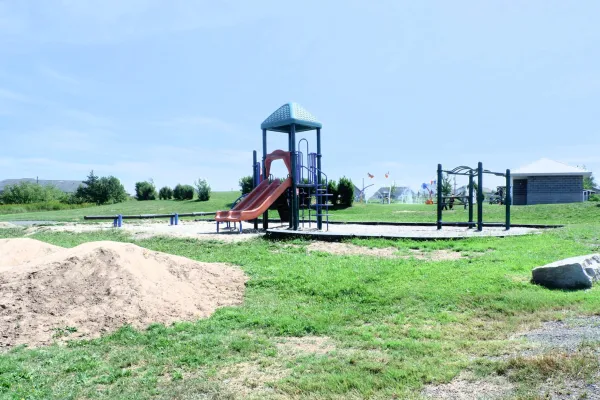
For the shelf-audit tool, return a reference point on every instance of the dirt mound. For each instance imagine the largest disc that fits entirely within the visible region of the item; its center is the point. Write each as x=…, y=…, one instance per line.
x=100, y=286
x=22, y=250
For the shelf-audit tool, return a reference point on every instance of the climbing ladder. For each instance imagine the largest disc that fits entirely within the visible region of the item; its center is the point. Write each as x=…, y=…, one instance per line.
x=311, y=182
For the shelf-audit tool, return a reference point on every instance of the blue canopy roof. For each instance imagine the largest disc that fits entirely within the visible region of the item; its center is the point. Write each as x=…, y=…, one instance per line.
x=288, y=114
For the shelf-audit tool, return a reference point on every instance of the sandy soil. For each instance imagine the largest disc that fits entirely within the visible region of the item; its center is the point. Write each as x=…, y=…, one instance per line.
x=21, y=250
x=387, y=252
x=143, y=229
x=98, y=287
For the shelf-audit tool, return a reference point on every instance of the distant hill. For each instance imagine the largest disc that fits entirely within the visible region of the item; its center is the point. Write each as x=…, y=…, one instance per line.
x=64, y=185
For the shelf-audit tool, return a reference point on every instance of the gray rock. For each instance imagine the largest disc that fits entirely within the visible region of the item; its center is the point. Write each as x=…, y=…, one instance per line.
x=572, y=273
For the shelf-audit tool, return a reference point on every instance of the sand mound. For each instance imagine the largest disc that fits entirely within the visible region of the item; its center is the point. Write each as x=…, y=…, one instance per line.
x=22, y=250
x=100, y=286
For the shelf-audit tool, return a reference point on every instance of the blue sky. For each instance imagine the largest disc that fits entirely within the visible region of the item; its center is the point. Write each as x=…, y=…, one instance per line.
x=176, y=90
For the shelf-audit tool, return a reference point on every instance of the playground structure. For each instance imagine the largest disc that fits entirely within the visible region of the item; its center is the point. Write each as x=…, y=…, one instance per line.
x=470, y=172
x=305, y=180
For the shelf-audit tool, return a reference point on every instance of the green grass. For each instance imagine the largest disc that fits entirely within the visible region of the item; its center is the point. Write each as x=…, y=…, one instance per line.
x=396, y=324
x=218, y=201
x=540, y=214
x=38, y=207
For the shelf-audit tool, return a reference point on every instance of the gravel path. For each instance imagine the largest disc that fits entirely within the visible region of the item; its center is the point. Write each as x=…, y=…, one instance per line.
x=566, y=335
x=431, y=232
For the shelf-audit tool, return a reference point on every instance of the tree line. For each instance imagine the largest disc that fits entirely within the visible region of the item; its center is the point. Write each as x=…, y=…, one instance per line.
x=100, y=191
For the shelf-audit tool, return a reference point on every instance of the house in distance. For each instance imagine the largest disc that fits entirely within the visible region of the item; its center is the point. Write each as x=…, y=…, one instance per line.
x=547, y=182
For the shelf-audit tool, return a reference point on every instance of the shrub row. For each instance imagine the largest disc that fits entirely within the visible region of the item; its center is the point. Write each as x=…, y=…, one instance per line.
x=147, y=191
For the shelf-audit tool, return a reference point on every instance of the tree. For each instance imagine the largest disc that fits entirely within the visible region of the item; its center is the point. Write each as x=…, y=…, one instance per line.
x=183, y=192
x=30, y=192
x=246, y=184
x=446, y=185
x=346, y=192
x=110, y=191
x=203, y=189
x=145, y=191
x=332, y=188
x=165, y=193
x=105, y=190
x=589, y=182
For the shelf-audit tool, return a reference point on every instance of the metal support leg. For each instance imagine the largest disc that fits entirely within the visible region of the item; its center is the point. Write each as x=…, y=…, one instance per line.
x=508, y=199
x=480, y=196
x=439, y=197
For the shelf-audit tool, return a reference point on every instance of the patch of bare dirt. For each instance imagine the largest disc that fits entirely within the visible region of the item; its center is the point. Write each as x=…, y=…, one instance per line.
x=306, y=344
x=144, y=229
x=436, y=255
x=252, y=379
x=464, y=387
x=387, y=252
x=343, y=249
x=98, y=287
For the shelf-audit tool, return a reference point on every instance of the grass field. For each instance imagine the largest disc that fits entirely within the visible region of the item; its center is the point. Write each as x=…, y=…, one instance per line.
x=540, y=214
x=218, y=201
x=391, y=326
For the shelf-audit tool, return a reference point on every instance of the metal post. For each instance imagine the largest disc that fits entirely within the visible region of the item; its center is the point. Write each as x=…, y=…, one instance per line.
x=480, y=196
x=320, y=199
x=508, y=199
x=255, y=179
x=120, y=220
x=176, y=219
x=471, y=198
x=295, y=215
x=264, y=172
x=439, y=196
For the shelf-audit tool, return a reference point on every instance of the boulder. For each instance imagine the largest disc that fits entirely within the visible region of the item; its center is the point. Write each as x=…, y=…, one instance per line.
x=571, y=273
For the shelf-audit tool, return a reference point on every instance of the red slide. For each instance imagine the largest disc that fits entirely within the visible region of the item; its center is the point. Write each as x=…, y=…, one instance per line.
x=256, y=203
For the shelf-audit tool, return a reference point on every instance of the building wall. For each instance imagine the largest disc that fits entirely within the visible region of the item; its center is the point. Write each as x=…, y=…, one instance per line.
x=554, y=189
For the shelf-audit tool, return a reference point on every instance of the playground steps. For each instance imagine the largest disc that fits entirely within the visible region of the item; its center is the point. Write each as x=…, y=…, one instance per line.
x=319, y=191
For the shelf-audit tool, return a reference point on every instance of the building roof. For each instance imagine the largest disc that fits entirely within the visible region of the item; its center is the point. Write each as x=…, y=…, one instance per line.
x=546, y=167
x=291, y=113
x=64, y=185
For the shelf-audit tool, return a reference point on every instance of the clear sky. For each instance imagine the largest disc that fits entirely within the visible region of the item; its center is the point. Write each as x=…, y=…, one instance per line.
x=177, y=90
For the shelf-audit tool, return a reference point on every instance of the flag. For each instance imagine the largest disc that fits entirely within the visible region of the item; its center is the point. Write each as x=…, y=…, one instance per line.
x=371, y=176
x=388, y=174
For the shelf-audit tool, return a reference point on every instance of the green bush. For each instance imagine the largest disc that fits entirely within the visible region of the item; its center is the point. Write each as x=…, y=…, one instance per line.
x=332, y=188
x=29, y=192
x=46, y=206
x=183, y=192
x=145, y=191
x=594, y=197
x=346, y=192
x=203, y=189
x=105, y=190
x=246, y=184
x=165, y=193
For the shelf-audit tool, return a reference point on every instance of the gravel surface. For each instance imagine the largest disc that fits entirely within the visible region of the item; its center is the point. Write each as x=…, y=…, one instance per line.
x=566, y=335
x=447, y=232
